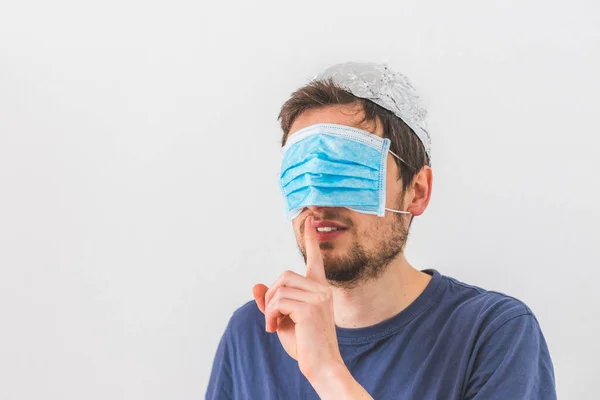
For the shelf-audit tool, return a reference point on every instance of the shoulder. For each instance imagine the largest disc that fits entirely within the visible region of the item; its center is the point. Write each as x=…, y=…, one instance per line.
x=508, y=354
x=246, y=320
x=487, y=310
x=246, y=315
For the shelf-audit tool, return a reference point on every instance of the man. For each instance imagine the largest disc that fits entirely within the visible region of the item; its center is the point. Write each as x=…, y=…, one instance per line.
x=364, y=323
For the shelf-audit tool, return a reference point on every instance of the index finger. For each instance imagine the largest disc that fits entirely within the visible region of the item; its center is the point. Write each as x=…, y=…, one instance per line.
x=315, y=269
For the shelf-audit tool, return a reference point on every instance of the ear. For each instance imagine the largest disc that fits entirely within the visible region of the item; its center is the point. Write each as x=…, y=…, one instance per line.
x=420, y=191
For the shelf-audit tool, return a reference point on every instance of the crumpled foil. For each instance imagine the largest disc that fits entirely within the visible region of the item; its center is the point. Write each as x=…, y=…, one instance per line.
x=391, y=90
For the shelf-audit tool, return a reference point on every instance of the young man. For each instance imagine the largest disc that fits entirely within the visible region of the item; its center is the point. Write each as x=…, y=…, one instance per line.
x=364, y=323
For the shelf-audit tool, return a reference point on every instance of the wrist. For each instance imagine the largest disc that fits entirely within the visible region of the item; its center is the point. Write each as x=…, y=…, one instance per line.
x=326, y=372
x=335, y=381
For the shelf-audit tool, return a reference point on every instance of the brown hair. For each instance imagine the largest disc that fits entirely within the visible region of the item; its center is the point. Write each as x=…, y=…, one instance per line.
x=321, y=93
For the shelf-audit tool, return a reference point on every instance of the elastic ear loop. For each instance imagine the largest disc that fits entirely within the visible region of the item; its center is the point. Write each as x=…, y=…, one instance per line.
x=409, y=166
x=398, y=211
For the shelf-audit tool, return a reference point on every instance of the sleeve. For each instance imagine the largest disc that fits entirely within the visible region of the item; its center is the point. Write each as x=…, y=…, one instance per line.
x=220, y=384
x=513, y=363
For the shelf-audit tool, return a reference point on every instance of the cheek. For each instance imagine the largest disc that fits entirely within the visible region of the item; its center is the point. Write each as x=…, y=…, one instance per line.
x=296, y=226
x=368, y=228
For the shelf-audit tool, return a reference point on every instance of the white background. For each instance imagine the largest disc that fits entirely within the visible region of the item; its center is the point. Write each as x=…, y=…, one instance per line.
x=139, y=155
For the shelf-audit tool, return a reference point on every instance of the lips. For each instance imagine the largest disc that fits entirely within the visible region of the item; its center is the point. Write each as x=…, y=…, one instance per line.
x=329, y=236
x=332, y=224
x=330, y=230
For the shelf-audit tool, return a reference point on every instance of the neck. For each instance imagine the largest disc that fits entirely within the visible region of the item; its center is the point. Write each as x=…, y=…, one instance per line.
x=379, y=299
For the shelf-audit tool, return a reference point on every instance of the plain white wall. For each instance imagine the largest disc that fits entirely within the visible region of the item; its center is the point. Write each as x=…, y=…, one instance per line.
x=139, y=155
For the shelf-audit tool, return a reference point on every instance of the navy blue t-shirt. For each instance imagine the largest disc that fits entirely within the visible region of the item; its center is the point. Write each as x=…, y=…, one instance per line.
x=455, y=341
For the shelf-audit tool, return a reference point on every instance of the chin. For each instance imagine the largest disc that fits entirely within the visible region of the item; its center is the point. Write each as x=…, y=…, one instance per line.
x=328, y=246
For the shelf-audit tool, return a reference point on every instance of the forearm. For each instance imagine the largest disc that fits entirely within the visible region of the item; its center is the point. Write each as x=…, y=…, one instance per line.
x=337, y=383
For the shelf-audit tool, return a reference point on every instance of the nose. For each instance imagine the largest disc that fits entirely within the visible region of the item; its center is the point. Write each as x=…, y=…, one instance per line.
x=318, y=211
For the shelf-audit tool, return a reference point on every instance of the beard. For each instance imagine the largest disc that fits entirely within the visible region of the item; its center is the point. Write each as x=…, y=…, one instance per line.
x=386, y=240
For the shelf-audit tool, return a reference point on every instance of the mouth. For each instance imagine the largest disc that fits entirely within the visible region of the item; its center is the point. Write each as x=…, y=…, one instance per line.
x=329, y=235
x=329, y=230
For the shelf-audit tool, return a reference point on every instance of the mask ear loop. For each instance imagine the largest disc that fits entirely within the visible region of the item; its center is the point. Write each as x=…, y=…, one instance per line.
x=403, y=162
x=409, y=166
x=398, y=211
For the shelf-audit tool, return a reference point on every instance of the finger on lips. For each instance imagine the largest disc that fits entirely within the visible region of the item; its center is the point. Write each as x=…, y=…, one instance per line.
x=292, y=291
x=315, y=269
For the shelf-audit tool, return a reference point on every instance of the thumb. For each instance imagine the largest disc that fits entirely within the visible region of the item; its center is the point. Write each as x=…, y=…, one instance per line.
x=259, y=291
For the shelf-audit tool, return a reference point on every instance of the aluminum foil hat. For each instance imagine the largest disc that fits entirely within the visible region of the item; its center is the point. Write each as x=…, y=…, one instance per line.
x=391, y=90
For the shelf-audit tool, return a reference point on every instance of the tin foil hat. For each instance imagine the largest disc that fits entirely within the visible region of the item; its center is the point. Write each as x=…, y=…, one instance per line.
x=391, y=90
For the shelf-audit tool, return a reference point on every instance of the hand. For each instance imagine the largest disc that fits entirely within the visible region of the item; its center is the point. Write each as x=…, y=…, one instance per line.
x=300, y=309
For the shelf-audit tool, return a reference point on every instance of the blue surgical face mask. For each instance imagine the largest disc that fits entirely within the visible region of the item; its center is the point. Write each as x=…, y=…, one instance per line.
x=333, y=165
